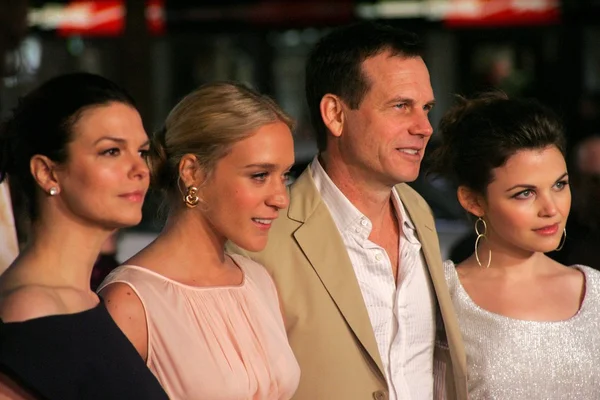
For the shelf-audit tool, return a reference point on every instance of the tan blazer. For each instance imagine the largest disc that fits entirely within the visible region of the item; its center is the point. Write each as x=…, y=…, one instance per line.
x=326, y=319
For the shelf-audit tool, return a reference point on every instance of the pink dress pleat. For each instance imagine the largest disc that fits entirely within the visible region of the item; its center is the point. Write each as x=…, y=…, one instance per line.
x=215, y=343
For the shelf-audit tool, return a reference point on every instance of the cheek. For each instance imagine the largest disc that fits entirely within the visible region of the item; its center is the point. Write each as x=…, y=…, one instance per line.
x=512, y=216
x=564, y=204
x=236, y=199
x=96, y=179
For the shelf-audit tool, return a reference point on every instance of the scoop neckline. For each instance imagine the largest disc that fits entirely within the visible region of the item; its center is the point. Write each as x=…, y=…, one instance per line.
x=572, y=318
x=240, y=285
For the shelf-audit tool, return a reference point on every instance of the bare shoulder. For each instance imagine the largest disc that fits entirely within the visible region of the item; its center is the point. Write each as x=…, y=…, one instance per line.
x=128, y=312
x=122, y=302
x=29, y=302
x=571, y=275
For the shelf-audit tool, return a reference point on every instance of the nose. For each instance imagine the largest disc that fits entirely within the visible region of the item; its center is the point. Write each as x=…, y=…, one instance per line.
x=547, y=206
x=279, y=198
x=421, y=125
x=139, y=168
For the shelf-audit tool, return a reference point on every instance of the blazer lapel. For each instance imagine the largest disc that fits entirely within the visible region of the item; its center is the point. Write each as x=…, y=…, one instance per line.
x=425, y=227
x=320, y=240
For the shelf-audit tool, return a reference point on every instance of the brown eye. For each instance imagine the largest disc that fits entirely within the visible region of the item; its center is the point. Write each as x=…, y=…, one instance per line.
x=111, y=152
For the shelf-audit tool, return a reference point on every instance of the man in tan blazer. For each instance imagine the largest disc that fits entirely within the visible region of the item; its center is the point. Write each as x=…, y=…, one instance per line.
x=355, y=257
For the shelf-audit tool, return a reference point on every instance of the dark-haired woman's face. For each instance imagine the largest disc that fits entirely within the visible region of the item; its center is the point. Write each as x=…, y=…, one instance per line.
x=528, y=201
x=105, y=179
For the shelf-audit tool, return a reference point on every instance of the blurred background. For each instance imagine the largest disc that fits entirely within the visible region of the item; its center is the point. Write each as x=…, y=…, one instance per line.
x=162, y=49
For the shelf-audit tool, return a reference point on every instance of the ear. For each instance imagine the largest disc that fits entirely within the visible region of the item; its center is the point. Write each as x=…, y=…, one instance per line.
x=332, y=114
x=471, y=201
x=190, y=171
x=42, y=169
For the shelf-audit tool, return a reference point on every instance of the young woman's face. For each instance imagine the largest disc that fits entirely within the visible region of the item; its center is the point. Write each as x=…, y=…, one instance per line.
x=248, y=186
x=105, y=179
x=528, y=201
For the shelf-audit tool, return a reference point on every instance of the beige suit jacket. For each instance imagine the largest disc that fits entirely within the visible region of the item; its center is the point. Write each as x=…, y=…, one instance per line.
x=326, y=319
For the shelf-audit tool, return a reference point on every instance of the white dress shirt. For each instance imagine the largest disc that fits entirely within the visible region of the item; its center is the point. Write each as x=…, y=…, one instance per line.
x=402, y=313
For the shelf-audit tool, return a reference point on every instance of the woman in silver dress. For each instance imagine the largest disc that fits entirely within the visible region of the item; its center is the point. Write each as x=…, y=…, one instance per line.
x=530, y=324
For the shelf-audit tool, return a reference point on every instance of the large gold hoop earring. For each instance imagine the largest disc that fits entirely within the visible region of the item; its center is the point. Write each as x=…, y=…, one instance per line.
x=481, y=235
x=563, y=240
x=191, y=198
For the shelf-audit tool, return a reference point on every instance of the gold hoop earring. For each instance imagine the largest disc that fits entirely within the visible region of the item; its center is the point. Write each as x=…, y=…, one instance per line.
x=481, y=235
x=563, y=240
x=191, y=198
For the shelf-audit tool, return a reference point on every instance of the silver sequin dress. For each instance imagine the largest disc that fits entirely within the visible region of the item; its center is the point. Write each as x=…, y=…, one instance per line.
x=510, y=359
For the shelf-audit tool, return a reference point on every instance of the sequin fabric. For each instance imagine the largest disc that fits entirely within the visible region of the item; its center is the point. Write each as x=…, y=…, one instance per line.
x=512, y=359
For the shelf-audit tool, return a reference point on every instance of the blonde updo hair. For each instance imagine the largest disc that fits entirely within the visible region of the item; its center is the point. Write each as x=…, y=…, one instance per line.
x=207, y=123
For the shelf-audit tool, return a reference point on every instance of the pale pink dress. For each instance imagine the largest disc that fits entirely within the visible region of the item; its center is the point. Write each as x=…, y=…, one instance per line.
x=215, y=343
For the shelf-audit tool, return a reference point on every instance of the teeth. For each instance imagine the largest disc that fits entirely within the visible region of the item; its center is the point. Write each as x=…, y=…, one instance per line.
x=409, y=151
x=263, y=221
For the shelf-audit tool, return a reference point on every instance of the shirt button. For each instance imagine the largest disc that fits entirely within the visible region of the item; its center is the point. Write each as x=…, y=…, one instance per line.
x=363, y=222
x=380, y=395
x=378, y=257
x=357, y=230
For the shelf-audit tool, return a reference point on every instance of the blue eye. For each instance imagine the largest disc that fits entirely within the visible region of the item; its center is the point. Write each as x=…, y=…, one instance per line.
x=560, y=185
x=525, y=194
x=260, y=176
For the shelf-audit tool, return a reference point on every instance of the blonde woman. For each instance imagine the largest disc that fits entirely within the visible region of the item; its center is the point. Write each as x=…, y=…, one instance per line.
x=207, y=323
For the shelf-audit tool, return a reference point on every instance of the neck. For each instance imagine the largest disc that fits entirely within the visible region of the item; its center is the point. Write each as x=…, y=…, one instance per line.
x=511, y=262
x=366, y=194
x=192, y=240
x=62, y=252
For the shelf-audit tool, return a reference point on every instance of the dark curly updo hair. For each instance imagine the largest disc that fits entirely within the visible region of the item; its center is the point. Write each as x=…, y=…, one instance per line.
x=482, y=133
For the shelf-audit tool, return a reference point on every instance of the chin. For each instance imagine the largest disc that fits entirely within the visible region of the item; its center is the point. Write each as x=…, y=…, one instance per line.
x=405, y=175
x=544, y=248
x=126, y=221
x=250, y=245
x=404, y=178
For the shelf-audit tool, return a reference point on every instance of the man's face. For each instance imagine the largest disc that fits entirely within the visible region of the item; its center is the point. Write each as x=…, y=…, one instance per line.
x=385, y=138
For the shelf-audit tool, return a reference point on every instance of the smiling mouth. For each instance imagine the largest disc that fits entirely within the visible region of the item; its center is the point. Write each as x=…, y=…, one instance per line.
x=411, y=152
x=262, y=221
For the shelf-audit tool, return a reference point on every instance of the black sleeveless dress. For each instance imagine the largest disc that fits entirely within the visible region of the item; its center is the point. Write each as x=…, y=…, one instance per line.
x=75, y=356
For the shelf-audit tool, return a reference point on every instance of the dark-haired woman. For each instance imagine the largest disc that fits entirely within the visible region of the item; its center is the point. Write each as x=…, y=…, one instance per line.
x=74, y=151
x=529, y=323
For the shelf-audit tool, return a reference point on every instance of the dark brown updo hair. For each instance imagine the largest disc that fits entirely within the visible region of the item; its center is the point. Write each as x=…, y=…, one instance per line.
x=482, y=133
x=43, y=124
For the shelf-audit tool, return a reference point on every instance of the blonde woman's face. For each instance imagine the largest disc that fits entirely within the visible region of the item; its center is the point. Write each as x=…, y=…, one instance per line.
x=248, y=186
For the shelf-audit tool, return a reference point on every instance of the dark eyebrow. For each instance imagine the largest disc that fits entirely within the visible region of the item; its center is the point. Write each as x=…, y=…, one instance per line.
x=409, y=101
x=111, y=138
x=524, y=186
x=119, y=140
